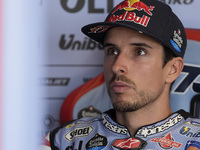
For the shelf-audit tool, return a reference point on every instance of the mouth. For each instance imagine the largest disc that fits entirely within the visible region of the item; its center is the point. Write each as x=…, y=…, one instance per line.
x=119, y=87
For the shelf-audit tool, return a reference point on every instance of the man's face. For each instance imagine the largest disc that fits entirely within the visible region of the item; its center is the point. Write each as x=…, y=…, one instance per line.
x=133, y=66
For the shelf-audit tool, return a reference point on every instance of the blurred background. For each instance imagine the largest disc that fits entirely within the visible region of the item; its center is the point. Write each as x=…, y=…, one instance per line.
x=45, y=58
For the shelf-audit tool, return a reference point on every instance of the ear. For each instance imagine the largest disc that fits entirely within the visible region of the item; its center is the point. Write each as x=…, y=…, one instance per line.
x=175, y=67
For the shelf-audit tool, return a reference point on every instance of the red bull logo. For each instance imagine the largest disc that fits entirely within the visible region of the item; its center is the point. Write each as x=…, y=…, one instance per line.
x=130, y=5
x=129, y=15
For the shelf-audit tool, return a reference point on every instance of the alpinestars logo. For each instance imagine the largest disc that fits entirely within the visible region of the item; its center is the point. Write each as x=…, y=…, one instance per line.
x=153, y=130
x=129, y=143
x=112, y=127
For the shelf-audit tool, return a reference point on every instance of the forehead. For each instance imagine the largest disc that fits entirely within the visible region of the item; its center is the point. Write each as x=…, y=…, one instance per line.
x=124, y=35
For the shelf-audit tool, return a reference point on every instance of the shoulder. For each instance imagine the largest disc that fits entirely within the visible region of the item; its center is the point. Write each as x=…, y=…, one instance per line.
x=79, y=124
x=189, y=123
x=190, y=128
x=192, y=122
x=70, y=130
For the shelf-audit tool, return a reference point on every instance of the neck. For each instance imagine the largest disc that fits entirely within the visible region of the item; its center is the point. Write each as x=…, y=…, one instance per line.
x=149, y=114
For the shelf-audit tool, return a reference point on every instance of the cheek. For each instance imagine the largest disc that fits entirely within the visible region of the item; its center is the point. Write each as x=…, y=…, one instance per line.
x=106, y=66
x=107, y=71
x=108, y=63
x=149, y=75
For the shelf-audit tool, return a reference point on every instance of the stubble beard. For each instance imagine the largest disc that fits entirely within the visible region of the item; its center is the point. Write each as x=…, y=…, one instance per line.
x=131, y=104
x=123, y=103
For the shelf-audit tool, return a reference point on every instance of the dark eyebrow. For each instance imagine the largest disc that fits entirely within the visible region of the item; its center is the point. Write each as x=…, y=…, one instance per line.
x=135, y=44
x=141, y=44
x=108, y=44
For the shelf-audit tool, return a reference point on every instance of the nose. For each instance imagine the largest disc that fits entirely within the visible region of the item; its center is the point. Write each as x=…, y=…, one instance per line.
x=120, y=65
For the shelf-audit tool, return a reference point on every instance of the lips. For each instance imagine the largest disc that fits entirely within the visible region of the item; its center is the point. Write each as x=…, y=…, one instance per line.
x=119, y=87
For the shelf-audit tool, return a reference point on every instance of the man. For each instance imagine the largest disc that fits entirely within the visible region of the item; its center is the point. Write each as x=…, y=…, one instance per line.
x=144, y=44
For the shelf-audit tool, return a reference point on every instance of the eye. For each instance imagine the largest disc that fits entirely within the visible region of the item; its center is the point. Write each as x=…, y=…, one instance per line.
x=112, y=51
x=140, y=52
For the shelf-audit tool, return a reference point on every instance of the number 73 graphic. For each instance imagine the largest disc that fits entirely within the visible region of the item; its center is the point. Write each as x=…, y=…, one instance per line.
x=191, y=78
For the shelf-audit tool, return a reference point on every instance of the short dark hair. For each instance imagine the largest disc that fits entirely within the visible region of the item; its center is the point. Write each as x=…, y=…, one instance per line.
x=167, y=56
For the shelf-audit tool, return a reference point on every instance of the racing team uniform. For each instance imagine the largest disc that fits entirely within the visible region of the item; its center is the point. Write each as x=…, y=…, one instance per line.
x=178, y=131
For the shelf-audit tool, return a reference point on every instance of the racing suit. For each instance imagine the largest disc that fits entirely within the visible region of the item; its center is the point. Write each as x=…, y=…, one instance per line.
x=178, y=131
